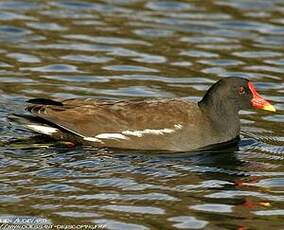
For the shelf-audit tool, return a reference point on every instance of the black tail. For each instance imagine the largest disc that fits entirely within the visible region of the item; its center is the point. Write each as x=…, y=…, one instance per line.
x=24, y=119
x=44, y=101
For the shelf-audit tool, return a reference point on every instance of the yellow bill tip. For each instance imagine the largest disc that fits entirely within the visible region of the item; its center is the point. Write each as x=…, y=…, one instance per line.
x=269, y=107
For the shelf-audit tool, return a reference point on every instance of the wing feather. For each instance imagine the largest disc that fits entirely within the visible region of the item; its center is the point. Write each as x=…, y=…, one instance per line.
x=88, y=118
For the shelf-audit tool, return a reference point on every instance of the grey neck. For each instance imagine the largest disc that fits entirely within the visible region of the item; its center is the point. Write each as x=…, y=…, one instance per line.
x=223, y=115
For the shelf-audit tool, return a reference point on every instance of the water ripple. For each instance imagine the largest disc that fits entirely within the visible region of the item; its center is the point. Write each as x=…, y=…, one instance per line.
x=54, y=68
x=168, y=6
x=129, y=68
x=117, y=225
x=135, y=209
x=218, y=208
x=188, y=222
x=25, y=58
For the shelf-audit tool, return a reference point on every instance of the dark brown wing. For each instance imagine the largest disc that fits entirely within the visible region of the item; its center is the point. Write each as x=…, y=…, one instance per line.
x=89, y=118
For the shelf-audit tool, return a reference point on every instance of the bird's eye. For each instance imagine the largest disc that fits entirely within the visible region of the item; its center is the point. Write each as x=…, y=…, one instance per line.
x=242, y=90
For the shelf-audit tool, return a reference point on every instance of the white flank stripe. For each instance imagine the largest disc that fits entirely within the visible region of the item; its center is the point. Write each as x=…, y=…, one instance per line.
x=140, y=133
x=178, y=126
x=42, y=129
x=136, y=133
x=158, y=131
x=93, y=139
x=112, y=136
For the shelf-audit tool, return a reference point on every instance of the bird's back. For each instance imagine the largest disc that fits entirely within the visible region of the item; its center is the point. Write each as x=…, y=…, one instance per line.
x=166, y=124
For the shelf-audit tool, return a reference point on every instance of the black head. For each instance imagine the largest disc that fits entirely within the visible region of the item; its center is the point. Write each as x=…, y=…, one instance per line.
x=229, y=95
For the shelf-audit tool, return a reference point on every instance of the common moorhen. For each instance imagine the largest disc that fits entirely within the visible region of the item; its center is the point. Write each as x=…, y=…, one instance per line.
x=174, y=125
